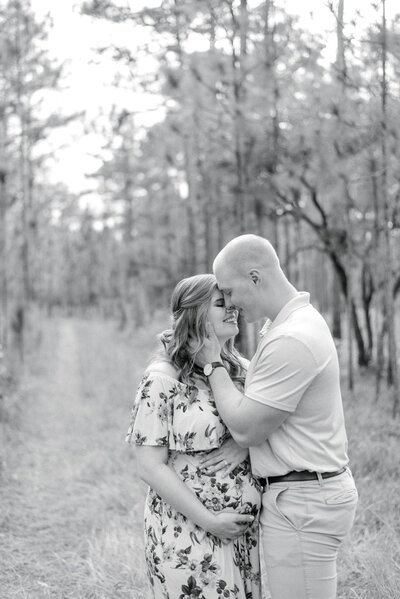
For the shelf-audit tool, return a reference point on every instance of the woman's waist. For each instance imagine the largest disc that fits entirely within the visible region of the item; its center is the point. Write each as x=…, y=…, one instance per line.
x=193, y=458
x=218, y=491
x=194, y=462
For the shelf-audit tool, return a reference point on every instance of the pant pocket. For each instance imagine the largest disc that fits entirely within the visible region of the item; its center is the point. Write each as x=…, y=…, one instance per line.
x=291, y=506
x=342, y=496
x=341, y=511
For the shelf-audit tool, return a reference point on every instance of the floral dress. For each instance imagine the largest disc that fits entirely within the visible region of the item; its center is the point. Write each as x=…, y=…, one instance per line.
x=183, y=560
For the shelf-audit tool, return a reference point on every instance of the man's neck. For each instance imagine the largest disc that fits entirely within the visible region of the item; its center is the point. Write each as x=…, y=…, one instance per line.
x=284, y=297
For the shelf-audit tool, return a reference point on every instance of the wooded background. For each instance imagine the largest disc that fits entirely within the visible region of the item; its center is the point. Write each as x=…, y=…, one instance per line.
x=267, y=127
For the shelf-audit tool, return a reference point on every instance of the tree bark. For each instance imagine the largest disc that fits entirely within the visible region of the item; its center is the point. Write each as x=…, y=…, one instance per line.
x=341, y=80
x=336, y=307
x=389, y=303
x=3, y=261
x=239, y=94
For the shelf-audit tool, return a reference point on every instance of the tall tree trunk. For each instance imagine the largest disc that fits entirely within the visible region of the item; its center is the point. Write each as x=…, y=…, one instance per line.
x=298, y=257
x=375, y=243
x=367, y=288
x=239, y=63
x=273, y=99
x=129, y=270
x=388, y=284
x=21, y=307
x=239, y=95
x=288, y=246
x=380, y=354
x=336, y=306
x=191, y=204
x=214, y=210
x=341, y=77
x=3, y=259
x=189, y=145
x=342, y=277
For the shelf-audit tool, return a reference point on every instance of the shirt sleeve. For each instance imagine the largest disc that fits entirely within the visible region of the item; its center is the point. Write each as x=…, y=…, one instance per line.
x=283, y=372
x=150, y=416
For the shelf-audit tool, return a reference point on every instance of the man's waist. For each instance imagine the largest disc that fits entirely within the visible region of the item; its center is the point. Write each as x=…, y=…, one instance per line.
x=297, y=476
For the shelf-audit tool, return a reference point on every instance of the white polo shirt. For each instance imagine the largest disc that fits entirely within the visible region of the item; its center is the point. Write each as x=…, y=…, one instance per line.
x=296, y=369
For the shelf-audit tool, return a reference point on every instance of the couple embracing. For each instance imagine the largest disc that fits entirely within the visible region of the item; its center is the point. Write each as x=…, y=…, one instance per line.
x=232, y=450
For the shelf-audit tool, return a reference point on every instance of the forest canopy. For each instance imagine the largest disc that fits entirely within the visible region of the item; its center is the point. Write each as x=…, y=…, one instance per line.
x=267, y=127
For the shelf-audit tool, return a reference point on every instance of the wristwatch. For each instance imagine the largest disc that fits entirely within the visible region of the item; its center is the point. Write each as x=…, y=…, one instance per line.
x=208, y=369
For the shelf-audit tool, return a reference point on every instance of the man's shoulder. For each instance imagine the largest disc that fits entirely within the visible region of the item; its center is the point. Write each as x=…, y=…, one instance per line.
x=303, y=324
x=305, y=333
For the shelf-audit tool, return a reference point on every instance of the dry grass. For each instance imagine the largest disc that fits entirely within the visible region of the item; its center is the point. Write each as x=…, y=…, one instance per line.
x=370, y=560
x=71, y=503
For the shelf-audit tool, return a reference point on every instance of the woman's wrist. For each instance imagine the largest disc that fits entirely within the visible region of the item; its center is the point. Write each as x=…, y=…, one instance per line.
x=208, y=521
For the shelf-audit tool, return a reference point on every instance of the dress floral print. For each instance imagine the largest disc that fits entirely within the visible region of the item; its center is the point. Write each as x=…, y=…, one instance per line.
x=183, y=560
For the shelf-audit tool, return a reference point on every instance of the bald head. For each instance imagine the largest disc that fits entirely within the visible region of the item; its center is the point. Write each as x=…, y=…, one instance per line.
x=250, y=277
x=247, y=251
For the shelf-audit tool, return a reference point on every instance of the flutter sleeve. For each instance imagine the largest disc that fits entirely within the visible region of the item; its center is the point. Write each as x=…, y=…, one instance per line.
x=150, y=422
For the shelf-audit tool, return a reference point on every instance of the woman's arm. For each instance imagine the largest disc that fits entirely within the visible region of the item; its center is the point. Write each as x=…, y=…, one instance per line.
x=154, y=470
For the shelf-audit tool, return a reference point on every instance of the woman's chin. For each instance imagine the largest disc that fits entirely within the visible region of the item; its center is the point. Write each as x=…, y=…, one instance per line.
x=224, y=338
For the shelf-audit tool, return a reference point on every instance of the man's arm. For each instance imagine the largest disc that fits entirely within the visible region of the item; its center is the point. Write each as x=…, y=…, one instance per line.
x=284, y=371
x=249, y=422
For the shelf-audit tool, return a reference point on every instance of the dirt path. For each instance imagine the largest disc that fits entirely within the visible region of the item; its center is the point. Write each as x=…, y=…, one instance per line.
x=70, y=520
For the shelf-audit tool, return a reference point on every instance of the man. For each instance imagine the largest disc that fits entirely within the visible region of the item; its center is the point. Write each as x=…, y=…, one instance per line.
x=291, y=417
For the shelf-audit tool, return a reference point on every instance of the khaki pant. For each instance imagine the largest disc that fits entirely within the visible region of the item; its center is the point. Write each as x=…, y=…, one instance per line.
x=302, y=526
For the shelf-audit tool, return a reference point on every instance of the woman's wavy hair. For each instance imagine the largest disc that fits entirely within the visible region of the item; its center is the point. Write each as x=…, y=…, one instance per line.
x=190, y=302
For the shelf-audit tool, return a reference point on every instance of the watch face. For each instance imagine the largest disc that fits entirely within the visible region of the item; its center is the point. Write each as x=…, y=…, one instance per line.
x=208, y=369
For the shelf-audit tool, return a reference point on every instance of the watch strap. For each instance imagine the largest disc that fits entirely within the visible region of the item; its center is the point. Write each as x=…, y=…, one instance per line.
x=215, y=365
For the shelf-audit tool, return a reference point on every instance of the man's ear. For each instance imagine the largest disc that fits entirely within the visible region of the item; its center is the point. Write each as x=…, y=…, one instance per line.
x=254, y=274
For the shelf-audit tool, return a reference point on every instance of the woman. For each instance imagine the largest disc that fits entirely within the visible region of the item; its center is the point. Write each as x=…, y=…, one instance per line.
x=201, y=521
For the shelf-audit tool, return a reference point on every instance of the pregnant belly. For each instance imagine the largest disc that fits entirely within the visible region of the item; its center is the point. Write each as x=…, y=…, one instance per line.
x=238, y=491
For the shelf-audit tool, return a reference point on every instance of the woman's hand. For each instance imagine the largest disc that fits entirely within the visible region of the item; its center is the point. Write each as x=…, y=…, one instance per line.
x=224, y=459
x=227, y=525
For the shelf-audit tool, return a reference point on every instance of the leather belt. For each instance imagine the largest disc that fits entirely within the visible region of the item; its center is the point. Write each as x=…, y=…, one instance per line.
x=298, y=476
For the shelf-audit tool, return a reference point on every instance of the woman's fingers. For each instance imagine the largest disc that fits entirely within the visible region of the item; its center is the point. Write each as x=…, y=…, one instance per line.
x=223, y=467
x=231, y=525
x=213, y=458
x=242, y=524
x=229, y=468
x=244, y=518
x=218, y=464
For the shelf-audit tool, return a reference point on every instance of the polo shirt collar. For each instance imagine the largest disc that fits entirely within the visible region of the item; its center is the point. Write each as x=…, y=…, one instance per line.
x=265, y=328
x=301, y=300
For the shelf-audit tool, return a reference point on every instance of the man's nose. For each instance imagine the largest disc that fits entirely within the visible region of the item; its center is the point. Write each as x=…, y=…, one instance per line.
x=228, y=302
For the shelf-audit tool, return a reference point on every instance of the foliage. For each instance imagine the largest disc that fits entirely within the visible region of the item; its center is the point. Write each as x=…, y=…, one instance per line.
x=262, y=132
x=267, y=127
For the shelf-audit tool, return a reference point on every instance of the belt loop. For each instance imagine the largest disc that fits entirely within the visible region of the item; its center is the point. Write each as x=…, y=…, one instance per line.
x=320, y=479
x=266, y=483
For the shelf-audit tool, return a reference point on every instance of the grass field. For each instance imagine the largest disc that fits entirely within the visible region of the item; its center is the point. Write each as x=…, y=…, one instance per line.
x=70, y=500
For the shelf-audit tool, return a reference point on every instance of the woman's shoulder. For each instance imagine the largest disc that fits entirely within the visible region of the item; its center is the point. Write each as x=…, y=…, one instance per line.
x=163, y=368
